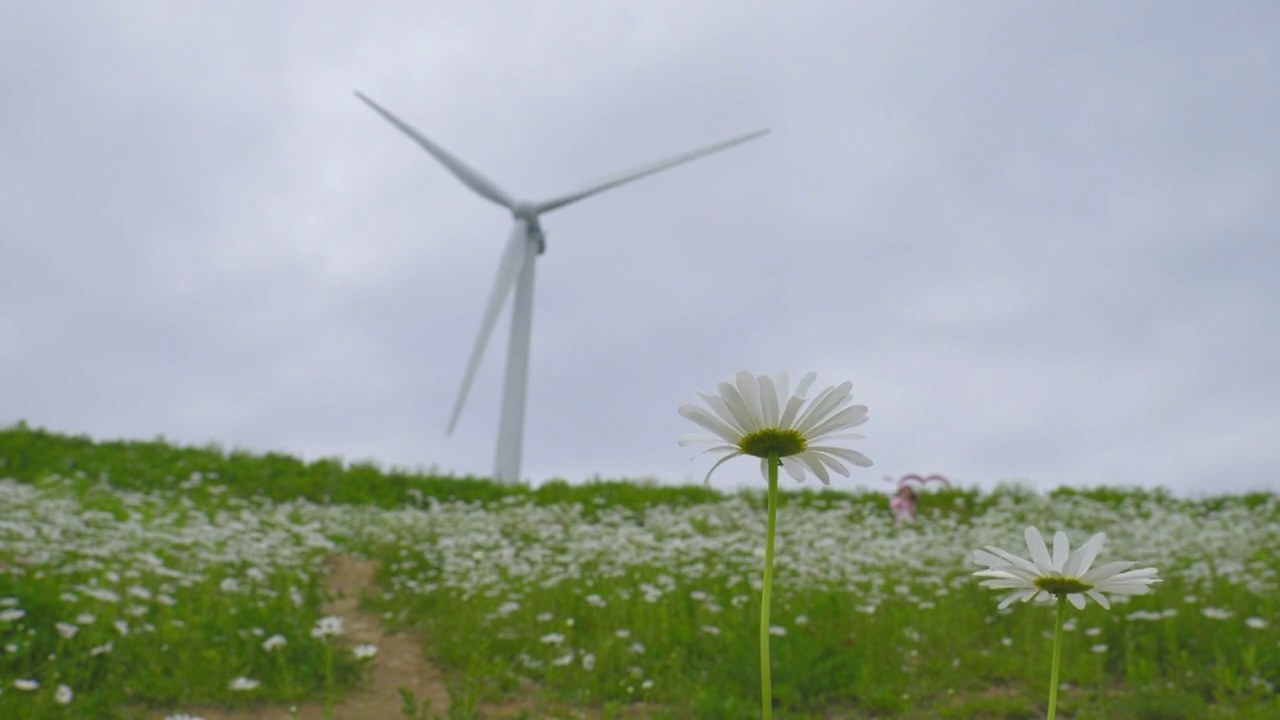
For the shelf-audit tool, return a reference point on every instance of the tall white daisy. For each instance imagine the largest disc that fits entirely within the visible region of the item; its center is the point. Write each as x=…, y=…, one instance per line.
x=1065, y=573
x=757, y=415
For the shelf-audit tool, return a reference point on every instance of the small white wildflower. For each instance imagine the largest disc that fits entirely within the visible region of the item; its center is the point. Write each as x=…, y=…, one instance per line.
x=26, y=685
x=1256, y=623
x=588, y=662
x=328, y=626
x=67, y=630
x=364, y=651
x=552, y=639
x=777, y=630
x=85, y=619
x=274, y=642
x=1214, y=613
x=711, y=629
x=12, y=614
x=1099, y=648
x=243, y=684
x=63, y=695
x=802, y=619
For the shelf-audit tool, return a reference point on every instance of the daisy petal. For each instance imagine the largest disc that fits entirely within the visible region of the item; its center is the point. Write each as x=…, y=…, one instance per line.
x=769, y=401
x=1081, y=560
x=823, y=407
x=1039, y=553
x=718, y=406
x=815, y=466
x=848, y=418
x=1061, y=551
x=1101, y=574
x=852, y=456
x=710, y=422
x=794, y=468
x=830, y=462
x=749, y=388
x=719, y=462
x=741, y=412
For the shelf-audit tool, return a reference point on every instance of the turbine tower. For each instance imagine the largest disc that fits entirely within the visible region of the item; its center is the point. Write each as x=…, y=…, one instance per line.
x=516, y=270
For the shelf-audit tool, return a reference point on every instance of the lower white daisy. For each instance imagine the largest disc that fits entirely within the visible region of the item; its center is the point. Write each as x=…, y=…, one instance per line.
x=1064, y=574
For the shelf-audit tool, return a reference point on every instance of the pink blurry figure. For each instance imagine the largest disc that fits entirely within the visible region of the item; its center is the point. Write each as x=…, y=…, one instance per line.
x=903, y=506
x=905, y=501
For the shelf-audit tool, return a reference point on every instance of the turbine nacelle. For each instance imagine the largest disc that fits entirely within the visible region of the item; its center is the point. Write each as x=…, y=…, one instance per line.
x=527, y=212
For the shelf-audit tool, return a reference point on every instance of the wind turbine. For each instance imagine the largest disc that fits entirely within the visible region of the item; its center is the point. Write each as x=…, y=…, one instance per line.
x=516, y=270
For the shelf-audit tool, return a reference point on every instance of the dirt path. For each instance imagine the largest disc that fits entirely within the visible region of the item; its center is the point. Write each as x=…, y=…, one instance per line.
x=399, y=662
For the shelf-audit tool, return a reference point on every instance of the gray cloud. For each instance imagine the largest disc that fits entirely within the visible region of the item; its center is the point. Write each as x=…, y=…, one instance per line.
x=1037, y=239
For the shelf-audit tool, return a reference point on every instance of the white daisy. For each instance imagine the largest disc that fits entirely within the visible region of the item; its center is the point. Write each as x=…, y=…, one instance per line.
x=1065, y=573
x=756, y=415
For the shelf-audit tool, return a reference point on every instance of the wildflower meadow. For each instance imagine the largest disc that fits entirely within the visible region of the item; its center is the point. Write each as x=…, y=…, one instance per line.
x=148, y=580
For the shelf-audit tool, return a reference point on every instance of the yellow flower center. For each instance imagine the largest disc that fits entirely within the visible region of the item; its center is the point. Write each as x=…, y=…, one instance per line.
x=1062, y=585
x=772, y=441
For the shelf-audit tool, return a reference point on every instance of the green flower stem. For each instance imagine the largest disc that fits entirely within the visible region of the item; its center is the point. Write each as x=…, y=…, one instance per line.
x=329, y=696
x=766, y=685
x=1057, y=657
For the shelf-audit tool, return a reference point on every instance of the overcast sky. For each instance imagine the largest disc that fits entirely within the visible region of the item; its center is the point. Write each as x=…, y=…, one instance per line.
x=1040, y=239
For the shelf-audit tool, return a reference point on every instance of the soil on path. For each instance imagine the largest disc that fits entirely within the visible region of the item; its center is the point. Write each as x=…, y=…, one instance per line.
x=400, y=662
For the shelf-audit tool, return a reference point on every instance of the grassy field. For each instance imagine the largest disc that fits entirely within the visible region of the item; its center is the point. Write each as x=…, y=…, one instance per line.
x=142, y=579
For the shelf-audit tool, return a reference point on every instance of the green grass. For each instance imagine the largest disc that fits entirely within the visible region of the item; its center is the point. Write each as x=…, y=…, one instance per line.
x=605, y=593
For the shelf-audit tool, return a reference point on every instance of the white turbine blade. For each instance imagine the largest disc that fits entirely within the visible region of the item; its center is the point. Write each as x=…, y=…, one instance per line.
x=472, y=179
x=636, y=173
x=513, y=258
